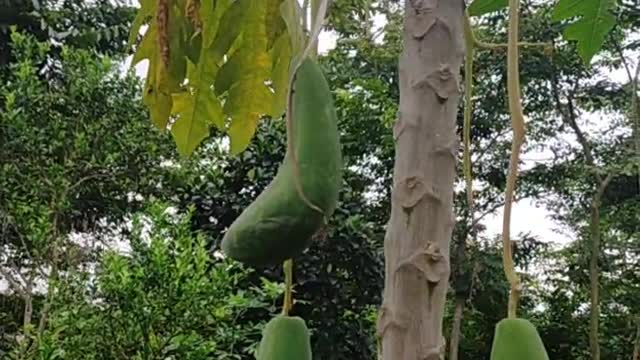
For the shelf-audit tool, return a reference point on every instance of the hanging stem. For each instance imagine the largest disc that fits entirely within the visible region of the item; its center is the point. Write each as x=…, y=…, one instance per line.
x=305, y=17
x=635, y=111
x=315, y=8
x=518, y=126
x=288, y=290
x=468, y=111
x=497, y=46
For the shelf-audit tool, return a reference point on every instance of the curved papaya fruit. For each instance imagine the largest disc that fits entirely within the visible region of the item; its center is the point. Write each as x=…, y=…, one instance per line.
x=517, y=339
x=285, y=338
x=279, y=224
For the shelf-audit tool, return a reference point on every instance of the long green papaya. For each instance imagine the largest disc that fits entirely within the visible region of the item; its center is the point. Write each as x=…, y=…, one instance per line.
x=279, y=224
x=517, y=339
x=285, y=338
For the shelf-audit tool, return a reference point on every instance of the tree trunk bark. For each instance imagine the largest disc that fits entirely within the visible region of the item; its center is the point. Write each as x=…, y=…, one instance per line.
x=419, y=231
x=455, y=329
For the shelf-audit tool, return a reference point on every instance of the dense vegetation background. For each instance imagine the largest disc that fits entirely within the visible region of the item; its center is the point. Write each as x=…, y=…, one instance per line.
x=108, y=236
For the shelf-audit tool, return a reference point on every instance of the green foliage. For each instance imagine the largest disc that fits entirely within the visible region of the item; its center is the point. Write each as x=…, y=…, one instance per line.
x=71, y=148
x=481, y=7
x=228, y=69
x=167, y=297
x=595, y=19
x=100, y=25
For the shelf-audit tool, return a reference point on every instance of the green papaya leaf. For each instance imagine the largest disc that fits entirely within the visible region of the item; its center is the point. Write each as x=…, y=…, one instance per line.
x=481, y=7
x=211, y=12
x=292, y=15
x=232, y=71
x=232, y=23
x=595, y=19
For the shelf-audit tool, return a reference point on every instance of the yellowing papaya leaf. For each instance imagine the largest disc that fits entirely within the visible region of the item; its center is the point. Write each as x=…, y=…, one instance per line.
x=147, y=10
x=195, y=114
x=162, y=81
x=249, y=98
x=248, y=101
x=158, y=84
x=595, y=20
x=481, y=7
x=199, y=108
x=281, y=55
x=274, y=22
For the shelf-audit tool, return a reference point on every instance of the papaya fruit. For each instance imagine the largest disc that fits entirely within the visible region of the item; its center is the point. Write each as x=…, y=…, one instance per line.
x=280, y=224
x=285, y=338
x=517, y=339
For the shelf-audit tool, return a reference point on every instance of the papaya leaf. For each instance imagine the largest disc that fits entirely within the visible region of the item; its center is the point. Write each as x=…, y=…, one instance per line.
x=147, y=9
x=232, y=71
x=211, y=12
x=249, y=98
x=275, y=22
x=232, y=23
x=246, y=102
x=193, y=47
x=203, y=73
x=241, y=46
x=162, y=81
x=281, y=55
x=198, y=109
x=195, y=113
x=595, y=21
x=157, y=90
x=292, y=16
x=481, y=7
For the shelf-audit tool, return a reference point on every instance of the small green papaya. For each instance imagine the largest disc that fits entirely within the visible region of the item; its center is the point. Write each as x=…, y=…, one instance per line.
x=279, y=224
x=517, y=339
x=285, y=338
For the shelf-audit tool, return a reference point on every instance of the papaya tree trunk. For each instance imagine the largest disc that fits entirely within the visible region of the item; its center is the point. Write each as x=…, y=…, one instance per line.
x=419, y=231
x=456, y=329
